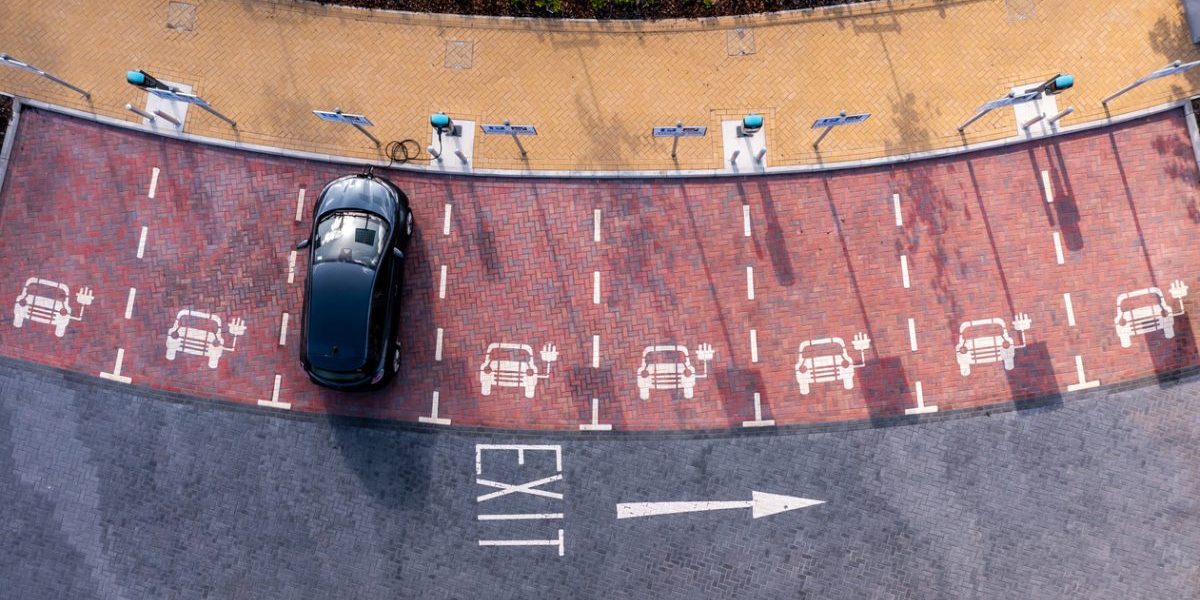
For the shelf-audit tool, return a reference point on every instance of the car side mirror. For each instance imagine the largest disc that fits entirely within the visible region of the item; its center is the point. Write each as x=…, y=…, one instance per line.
x=397, y=252
x=302, y=244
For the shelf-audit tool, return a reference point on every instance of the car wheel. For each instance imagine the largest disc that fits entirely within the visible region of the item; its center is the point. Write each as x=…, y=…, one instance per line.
x=689, y=392
x=644, y=394
x=848, y=382
x=396, y=359
x=805, y=389
x=18, y=320
x=213, y=361
x=1009, y=363
x=1126, y=341
x=170, y=354
x=529, y=390
x=408, y=225
x=60, y=329
x=487, y=389
x=1169, y=330
x=964, y=370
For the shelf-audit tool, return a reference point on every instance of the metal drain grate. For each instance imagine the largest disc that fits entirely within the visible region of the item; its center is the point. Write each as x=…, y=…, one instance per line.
x=181, y=16
x=1019, y=10
x=460, y=54
x=739, y=42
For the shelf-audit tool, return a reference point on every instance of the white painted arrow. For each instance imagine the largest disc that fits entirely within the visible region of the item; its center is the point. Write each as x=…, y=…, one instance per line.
x=761, y=504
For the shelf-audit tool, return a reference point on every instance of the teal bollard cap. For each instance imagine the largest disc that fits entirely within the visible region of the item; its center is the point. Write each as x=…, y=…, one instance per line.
x=1063, y=82
x=752, y=121
x=439, y=120
x=135, y=77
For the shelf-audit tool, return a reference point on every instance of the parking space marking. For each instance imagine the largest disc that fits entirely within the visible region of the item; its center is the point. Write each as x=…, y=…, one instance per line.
x=758, y=420
x=1046, y=186
x=595, y=352
x=596, y=225
x=896, y=209
x=142, y=242
x=442, y=285
x=283, y=330
x=746, y=220
x=446, y=221
x=434, y=418
x=116, y=374
x=904, y=269
x=750, y=283
x=437, y=351
x=153, y=183
x=291, y=267
x=1070, y=309
x=274, y=401
x=1083, y=382
x=920, y=409
x=912, y=334
x=129, y=303
x=1058, y=253
x=520, y=517
x=300, y=205
x=595, y=425
x=595, y=287
x=753, y=345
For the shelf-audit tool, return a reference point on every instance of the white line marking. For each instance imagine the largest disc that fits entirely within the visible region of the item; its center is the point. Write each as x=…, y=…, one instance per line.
x=142, y=242
x=758, y=420
x=283, y=330
x=274, y=401
x=153, y=183
x=442, y=285
x=912, y=334
x=746, y=220
x=129, y=303
x=533, y=488
x=558, y=542
x=595, y=425
x=1046, y=186
x=116, y=374
x=292, y=267
x=446, y=220
x=896, y=208
x=437, y=352
x=1070, y=309
x=595, y=287
x=904, y=270
x=596, y=225
x=761, y=504
x=1083, y=382
x=434, y=418
x=300, y=205
x=595, y=352
x=753, y=345
x=750, y=283
x=921, y=409
x=519, y=517
x=1058, y=253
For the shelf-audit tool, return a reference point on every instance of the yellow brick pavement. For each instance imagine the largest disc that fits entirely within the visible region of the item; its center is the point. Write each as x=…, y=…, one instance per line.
x=595, y=89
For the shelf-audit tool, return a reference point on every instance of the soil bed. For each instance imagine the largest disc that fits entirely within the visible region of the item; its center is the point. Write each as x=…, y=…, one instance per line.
x=595, y=9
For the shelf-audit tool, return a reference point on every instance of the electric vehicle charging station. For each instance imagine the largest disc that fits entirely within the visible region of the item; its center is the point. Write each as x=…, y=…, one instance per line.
x=744, y=144
x=451, y=143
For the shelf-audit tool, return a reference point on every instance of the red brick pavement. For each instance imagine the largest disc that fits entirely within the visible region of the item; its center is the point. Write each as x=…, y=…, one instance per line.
x=520, y=257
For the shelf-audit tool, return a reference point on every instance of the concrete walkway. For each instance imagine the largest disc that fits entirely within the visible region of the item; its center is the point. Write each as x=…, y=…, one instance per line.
x=594, y=90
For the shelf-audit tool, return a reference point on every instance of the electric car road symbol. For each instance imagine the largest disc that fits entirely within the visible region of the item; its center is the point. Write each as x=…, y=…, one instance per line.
x=45, y=301
x=987, y=341
x=825, y=359
x=199, y=333
x=512, y=365
x=670, y=368
x=1144, y=311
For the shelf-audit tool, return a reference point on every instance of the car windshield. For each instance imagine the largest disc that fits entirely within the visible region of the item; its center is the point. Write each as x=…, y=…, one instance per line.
x=981, y=331
x=354, y=237
x=827, y=349
x=509, y=354
x=45, y=291
x=665, y=357
x=1141, y=301
x=339, y=376
x=194, y=322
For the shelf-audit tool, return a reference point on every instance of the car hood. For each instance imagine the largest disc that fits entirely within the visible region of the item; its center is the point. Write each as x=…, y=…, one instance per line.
x=338, y=313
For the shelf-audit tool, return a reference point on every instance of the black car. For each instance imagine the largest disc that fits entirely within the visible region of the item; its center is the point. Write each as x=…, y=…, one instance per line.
x=350, y=332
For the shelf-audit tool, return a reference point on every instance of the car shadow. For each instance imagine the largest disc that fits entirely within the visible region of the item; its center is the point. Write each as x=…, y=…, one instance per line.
x=1032, y=382
x=1174, y=357
x=737, y=388
x=885, y=389
x=587, y=383
x=393, y=468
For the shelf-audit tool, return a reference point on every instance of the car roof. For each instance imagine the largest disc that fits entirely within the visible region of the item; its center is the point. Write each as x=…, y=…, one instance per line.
x=1141, y=292
x=650, y=349
x=978, y=322
x=369, y=193
x=339, y=316
x=507, y=346
x=822, y=341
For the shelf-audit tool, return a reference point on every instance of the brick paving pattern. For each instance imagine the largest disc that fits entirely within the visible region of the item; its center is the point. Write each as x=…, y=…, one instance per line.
x=976, y=233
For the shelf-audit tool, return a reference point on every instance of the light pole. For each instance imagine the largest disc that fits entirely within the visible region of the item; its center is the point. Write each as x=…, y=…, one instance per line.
x=16, y=64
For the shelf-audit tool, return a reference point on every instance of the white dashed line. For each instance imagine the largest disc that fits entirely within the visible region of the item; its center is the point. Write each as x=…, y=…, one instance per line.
x=912, y=334
x=283, y=330
x=300, y=205
x=116, y=374
x=446, y=220
x=596, y=225
x=1070, y=309
x=595, y=287
x=904, y=270
x=746, y=220
x=750, y=283
x=129, y=303
x=292, y=266
x=896, y=208
x=552, y=542
x=142, y=242
x=595, y=425
x=433, y=417
x=1058, y=253
x=274, y=401
x=1083, y=382
x=437, y=351
x=1046, y=186
x=758, y=420
x=520, y=517
x=753, y=345
x=595, y=352
x=153, y=183
x=921, y=409
x=442, y=285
